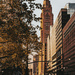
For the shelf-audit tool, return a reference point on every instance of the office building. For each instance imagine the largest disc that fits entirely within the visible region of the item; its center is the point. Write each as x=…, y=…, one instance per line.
x=56, y=43
x=51, y=50
x=46, y=22
x=63, y=18
x=70, y=8
x=69, y=47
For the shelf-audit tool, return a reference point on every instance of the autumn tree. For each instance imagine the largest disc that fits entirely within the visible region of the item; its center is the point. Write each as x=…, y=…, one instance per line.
x=18, y=34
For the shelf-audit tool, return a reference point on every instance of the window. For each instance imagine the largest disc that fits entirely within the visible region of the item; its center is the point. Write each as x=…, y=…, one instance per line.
x=47, y=16
x=69, y=29
x=46, y=28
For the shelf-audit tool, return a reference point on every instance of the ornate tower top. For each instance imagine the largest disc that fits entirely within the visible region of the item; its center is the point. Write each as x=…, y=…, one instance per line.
x=46, y=0
x=46, y=3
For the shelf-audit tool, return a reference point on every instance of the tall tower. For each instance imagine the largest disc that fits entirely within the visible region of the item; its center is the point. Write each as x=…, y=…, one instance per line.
x=46, y=22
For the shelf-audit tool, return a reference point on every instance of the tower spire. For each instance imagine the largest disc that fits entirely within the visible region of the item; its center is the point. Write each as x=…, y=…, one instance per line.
x=46, y=3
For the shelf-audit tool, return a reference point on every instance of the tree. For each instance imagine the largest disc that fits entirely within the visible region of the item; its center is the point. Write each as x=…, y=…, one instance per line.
x=17, y=32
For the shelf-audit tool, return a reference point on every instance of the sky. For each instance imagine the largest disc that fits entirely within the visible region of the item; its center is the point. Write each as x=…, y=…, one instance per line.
x=56, y=7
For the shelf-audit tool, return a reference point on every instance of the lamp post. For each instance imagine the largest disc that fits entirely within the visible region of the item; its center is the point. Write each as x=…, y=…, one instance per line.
x=27, y=72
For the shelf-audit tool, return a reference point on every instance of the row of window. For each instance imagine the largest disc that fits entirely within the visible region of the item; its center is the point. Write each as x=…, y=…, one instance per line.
x=59, y=23
x=66, y=44
x=57, y=30
x=69, y=37
x=69, y=29
x=47, y=23
x=58, y=37
x=57, y=34
x=59, y=41
x=58, y=27
x=59, y=45
x=46, y=27
x=69, y=50
x=47, y=18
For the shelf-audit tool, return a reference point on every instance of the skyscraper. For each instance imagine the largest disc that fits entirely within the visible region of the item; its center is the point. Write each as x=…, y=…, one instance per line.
x=69, y=47
x=70, y=8
x=46, y=22
x=56, y=43
x=63, y=18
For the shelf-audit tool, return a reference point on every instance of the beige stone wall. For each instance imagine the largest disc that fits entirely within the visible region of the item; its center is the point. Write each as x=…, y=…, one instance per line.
x=53, y=38
x=51, y=42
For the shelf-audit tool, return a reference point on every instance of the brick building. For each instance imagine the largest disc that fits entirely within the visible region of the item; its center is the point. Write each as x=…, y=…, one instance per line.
x=69, y=46
x=46, y=22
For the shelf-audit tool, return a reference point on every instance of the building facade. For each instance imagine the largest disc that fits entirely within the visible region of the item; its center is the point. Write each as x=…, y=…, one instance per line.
x=63, y=18
x=69, y=46
x=51, y=51
x=56, y=43
x=52, y=43
x=46, y=22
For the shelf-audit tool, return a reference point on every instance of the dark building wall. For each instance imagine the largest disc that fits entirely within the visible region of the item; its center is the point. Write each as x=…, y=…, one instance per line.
x=63, y=18
x=69, y=46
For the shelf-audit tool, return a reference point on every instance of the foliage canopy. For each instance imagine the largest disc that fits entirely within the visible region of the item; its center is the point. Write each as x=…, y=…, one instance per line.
x=17, y=31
